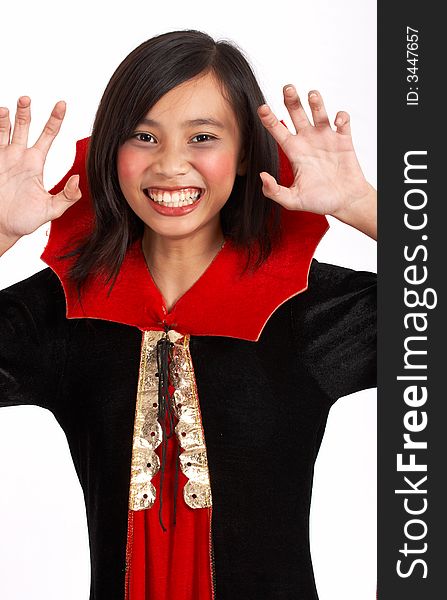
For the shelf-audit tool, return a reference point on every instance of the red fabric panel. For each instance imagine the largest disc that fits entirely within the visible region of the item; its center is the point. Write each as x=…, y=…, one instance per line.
x=174, y=563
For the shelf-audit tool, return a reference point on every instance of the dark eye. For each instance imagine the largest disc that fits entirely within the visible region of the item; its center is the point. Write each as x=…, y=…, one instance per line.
x=143, y=137
x=203, y=137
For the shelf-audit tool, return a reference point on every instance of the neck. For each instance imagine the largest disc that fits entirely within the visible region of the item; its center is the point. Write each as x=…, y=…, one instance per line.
x=168, y=255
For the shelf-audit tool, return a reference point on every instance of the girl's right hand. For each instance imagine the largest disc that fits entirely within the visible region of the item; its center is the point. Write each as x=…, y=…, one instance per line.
x=25, y=205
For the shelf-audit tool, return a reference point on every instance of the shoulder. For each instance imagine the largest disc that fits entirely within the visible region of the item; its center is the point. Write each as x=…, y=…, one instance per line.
x=327, y=283
x=334, y=293
x=40, y=297
x=327, y=279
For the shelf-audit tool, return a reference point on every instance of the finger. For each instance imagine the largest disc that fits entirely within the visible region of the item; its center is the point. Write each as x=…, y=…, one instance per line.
x=51, y=128
x=5, y=127
x=343, y=123
x=22, y=121
x=279, y=132
x=296, y=110
x=319, y=114
x=283, y=195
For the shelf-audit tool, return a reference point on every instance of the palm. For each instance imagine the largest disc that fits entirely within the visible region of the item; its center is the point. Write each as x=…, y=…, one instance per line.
x=23, y=197
x=327, y=174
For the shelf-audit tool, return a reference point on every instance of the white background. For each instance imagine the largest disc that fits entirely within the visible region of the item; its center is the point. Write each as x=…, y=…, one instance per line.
x=52, y=51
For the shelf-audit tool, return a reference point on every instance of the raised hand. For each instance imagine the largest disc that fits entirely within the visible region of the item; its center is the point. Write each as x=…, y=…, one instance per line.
x=25, y=205
x=327, y=175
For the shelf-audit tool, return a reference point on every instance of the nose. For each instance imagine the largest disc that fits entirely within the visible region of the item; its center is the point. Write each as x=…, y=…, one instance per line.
x=170, y=161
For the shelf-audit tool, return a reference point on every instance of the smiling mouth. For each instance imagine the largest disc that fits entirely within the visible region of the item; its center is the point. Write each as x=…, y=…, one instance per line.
x=181, y=197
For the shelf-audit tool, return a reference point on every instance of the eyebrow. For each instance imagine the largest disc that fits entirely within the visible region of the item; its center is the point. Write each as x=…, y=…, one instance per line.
x=190, y=123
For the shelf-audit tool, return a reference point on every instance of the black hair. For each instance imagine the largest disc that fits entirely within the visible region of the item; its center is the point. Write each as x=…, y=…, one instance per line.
x=155, y=67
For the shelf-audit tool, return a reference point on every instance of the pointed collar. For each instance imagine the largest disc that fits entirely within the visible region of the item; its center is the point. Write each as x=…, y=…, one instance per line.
x=221, y=302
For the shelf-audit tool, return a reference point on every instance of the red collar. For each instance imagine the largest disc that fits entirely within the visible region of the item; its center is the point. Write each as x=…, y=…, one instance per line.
x=220, y=303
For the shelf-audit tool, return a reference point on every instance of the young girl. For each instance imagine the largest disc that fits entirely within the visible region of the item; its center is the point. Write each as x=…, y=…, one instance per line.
x=183, y=335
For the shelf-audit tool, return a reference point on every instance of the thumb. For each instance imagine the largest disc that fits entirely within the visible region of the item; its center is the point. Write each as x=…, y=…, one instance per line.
x=270, y=186
x=271, y=189
x=71, y=191
x=69, y=195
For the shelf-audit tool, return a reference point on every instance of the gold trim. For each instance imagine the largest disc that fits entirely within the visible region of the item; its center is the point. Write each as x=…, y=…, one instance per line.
x=148, y=433
x=189, y=430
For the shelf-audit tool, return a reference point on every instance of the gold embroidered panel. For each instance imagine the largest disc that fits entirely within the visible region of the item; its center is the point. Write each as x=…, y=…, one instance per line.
x=148, y=432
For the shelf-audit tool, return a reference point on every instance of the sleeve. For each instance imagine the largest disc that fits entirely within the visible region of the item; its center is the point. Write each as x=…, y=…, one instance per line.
x=32, y=349
x=335, y=326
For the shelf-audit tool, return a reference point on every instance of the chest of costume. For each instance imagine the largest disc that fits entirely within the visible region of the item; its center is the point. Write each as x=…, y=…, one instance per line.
x=252, y=421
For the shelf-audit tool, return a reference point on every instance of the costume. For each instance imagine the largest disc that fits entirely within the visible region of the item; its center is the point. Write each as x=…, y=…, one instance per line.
x=253, y=365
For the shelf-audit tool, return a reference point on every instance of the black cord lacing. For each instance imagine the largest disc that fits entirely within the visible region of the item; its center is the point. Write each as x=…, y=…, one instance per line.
x=166, y=413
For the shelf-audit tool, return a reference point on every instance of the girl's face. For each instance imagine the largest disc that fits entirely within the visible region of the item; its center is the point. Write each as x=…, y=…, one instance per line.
x=178, y=168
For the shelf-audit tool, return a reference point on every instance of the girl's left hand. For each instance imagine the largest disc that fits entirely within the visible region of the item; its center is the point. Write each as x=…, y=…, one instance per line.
x=327, y=175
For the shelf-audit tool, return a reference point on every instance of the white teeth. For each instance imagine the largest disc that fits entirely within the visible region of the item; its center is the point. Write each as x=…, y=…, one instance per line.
x=177, y=198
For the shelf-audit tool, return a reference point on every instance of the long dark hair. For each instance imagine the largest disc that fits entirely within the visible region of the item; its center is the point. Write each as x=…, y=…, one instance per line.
x=155, y=67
